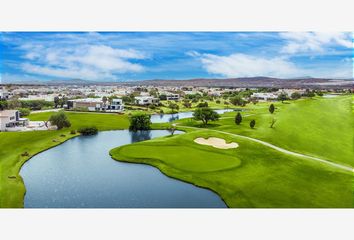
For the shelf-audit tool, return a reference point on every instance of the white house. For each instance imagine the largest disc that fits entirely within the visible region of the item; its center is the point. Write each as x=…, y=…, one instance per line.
x=172, y=96
x=116, y=104
x=264, y=96
x=146, y=100
x=96, y=104
x=10, y=119
x=4, y=94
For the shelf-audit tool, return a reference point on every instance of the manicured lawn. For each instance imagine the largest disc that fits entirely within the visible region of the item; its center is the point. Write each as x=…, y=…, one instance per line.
x=14, y=144
x=251, y=175
x=321, y=127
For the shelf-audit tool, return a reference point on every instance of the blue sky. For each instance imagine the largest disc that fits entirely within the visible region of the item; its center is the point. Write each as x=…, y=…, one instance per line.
x=125, y=56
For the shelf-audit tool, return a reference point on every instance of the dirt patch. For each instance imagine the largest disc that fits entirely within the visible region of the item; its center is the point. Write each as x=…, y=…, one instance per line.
x=216, y=142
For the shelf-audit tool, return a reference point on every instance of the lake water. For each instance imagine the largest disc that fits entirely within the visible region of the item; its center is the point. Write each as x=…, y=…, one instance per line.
x=162, y=118
x=80, y=174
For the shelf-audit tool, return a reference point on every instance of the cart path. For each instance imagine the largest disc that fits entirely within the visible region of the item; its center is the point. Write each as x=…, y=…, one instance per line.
x=336, y=165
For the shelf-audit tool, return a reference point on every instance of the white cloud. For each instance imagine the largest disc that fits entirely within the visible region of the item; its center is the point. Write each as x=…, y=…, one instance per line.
x=92, y=62
x=318, y=42
x=241, y=65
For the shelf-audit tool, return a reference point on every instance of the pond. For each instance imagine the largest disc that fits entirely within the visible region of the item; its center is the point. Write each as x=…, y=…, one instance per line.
x=80, y=174
x=162, y=118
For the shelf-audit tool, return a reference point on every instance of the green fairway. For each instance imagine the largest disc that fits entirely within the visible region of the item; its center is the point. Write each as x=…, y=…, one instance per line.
x=16, y=143
x=251, y=175
x=320, y=127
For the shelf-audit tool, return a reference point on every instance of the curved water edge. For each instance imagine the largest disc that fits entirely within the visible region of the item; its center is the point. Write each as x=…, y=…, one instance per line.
x=163, y=118
x=40, y=184
x=80, y=173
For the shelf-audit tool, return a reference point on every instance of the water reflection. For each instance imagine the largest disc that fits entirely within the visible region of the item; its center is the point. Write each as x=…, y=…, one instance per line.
x=140, y=136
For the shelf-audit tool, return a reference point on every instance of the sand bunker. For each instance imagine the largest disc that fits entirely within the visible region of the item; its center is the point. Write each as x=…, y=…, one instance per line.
x=216, y=142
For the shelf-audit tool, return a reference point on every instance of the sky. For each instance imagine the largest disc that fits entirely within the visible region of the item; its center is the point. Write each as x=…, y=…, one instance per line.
x=128, y=56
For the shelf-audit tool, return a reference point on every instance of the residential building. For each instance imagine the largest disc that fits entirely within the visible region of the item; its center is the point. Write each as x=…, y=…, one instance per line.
x=264, y=96
x=117, y=104
x=172, y=96
x=10, y=119
x=4, y=95
x=146, y=100
x=96, y=104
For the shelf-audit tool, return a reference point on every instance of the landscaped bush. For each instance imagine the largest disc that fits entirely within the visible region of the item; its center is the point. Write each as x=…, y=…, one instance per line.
x=24, y=112
x=88, y=131
x=73, y=132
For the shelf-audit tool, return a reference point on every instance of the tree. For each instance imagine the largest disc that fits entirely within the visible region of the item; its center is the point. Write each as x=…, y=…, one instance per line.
x=172, y=129
x=163, y=97
x=253, y=123
x=202, y=104
x=173, y=106
x=238, y=118
x=282, y=97
x=237, y=101
x=295, y=95
x=273, y=122
x=187, y=103
x=56, y=101
x=24, y=112
x=104, y=100
x=271, y=108
x=3, y=104
x=205, y=114
x=63, y=100
x=140, y=121
x=60, y=120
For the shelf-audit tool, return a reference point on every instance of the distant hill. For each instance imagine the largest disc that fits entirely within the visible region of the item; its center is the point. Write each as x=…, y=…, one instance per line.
x=249, y=82
x=252, y=82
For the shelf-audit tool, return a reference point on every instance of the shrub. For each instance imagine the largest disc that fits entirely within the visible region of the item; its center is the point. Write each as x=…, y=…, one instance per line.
x=25, y=154
x=238, y=118
x=87, y=131
x=253, y=123
x=73, y=132
x=271, y=108
x=217, y=101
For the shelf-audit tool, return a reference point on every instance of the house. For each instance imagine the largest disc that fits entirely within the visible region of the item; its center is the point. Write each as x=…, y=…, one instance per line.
x=96, y=104
x=264, y=96
x=4, y=95
x=117, y=104
x=172, y=96
x=10, y=119
x=146, y=100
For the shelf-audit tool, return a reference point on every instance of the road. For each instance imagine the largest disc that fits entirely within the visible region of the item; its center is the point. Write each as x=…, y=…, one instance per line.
x=337, y=165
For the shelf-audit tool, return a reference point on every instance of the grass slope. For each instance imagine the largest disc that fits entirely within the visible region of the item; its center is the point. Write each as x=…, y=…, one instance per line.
x=321, y=127
x=251, y=175
x=14, y=144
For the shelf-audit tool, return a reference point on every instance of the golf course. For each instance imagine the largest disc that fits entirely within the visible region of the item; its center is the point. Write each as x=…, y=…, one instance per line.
x=305, y=160
x=312, y=168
